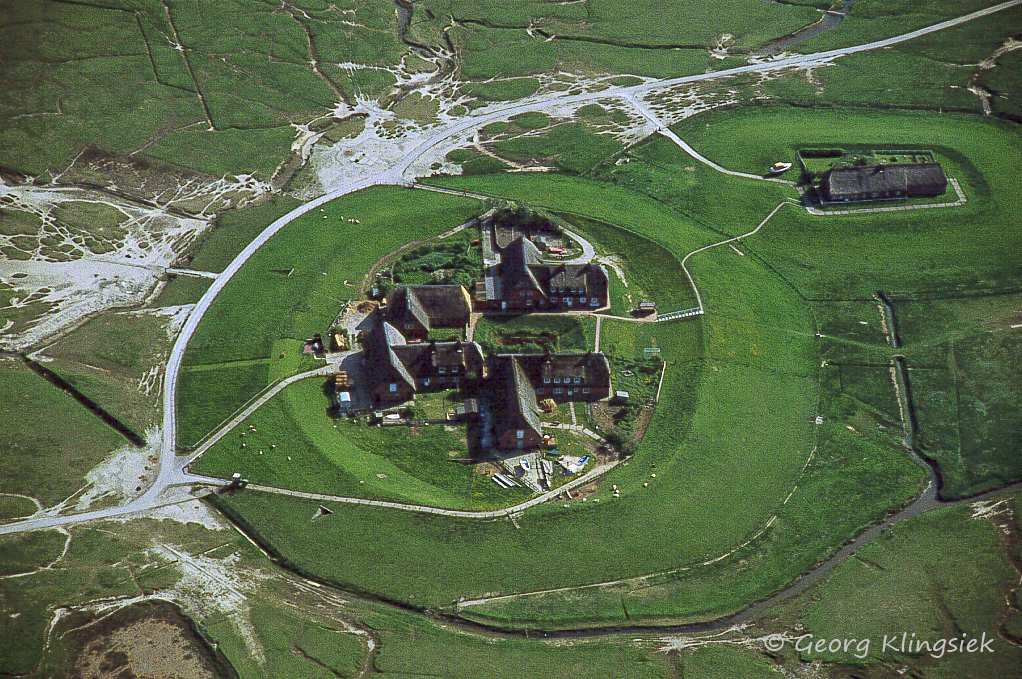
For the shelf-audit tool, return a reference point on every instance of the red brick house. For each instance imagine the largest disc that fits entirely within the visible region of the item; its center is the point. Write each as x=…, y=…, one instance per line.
x=398, y=370
x=520, y=380
x=568, y=376
x=523, y=282
x=516, y=424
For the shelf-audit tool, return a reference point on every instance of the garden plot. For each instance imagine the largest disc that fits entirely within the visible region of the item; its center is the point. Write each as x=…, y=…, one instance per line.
x=71, y=252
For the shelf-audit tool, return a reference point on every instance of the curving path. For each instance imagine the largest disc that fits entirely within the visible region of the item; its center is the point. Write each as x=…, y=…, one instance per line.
x=506, y=512
x=170, y=476
x=251, y=407
x=699, y=299
x=648, y=114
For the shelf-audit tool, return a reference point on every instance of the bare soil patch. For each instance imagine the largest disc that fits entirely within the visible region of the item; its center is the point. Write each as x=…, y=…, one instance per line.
x=487, y=469
x=601, y=413
x=147, y=640
x=642, y=422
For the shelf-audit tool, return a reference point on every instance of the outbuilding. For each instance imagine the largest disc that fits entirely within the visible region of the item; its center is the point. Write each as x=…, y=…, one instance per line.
x=880, y=182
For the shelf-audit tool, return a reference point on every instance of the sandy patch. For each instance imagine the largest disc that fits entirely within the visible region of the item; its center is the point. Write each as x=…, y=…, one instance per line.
x=65, y=280
x=123, y=472
x=209, y=586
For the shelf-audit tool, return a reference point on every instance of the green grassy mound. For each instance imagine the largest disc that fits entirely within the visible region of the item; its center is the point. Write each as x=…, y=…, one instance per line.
x=705, y=498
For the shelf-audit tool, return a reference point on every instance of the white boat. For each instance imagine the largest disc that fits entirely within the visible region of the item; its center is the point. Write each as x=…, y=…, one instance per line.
x=778, y=168
x=525, y=465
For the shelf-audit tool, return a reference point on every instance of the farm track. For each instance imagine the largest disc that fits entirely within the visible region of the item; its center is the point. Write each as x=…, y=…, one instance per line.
x=171, y=480
x=506, y=512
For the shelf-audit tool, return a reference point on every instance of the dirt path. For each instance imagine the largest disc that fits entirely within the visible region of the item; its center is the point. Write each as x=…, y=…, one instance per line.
x=595, y=473
x=254, y=405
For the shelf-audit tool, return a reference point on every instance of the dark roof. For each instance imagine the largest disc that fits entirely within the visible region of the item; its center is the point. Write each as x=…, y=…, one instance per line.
x=515, y=397
x=422, y=358
x=591, y=368
x=390, y=359
x=434, y=306
x=910, y=178
x=381, y=358
x=517, y=264
x=590, y=277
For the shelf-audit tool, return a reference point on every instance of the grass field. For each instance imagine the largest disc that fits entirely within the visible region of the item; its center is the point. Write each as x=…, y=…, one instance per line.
x=863, y=466
x=413, y=648
x=234, y=230
x=182, y=290
x=503, y=90
x=25, y=553
x=643, y=38
x=243, y=70
x=965, y=247
x=692, y=471
x=291, y=642
x=920, y=565
x=930, y=72
x=624, y=342
x=260, y=306
x=279, y=629
x=337, y=457
x=966, y=387
x=749, y=335
x=966, y=250
x=870, y=20
x=722, y=662
x=209, y=394
x=569, y=147
x=42, y=459
x=661, y=170
x=13, y=507
x=758, y=389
